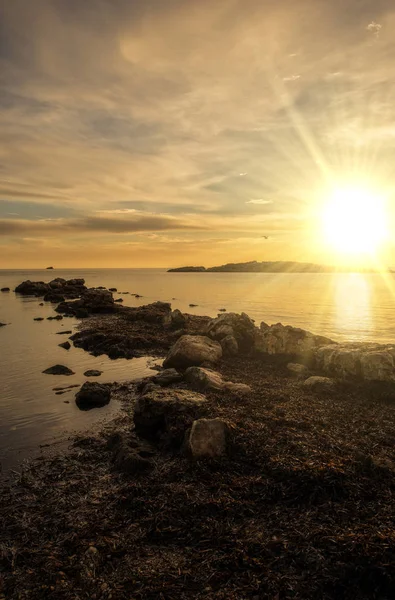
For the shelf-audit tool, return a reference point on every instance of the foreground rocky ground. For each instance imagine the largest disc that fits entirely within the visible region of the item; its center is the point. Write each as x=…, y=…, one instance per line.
x=294, y=501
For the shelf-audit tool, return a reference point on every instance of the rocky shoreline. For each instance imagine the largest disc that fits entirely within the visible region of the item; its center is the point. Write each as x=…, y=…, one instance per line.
x=257, y=462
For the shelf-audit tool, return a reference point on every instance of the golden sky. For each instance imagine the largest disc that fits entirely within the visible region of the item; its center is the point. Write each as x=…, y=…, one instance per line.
x=138, y=133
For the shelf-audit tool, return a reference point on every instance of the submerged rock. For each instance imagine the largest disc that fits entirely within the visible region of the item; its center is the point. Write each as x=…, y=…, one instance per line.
x=207, y=439
x=5, y=289
x=38, y=319
x=93, y=373
x=65, y=345
x=58, y=370
x=92, y=395
x=190, y=350
x=2, y=324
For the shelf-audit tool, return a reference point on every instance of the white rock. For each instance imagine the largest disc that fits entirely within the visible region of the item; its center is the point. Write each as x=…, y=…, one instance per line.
x=284, y=339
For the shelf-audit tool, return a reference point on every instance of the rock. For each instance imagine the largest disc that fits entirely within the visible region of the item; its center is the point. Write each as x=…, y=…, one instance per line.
x=54, y=297
x=129, y=461
x=205, y=379
x=370, y=362
x=176, y=320
x=192, y=350
x=167, y=377
x=38, y=319
x=378, y=366
x=237, y=388
x=41, y=304
x=66, y=332
x=92, y=395
x=112, y=289
x=229, y=345
x=284, y=339
x=2, y=324
x=65, y=345
x=119, y=300
x=57, y=283
x=56, y=318
x=167, y=411
x=207, y=439
x=92, y=300
x=5, y=289
x=93, y=373
x=32, y=288
x=319, y=384
x=193, y=305
x=149, y=386
x=58, y=370
x=240, y=327
x=222, y=309
x=298, y=369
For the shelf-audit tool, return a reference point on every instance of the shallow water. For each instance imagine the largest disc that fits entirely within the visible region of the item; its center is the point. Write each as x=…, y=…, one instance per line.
x=342, y=306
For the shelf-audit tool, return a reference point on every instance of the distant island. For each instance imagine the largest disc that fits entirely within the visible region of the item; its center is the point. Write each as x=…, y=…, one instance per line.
x=270, y=267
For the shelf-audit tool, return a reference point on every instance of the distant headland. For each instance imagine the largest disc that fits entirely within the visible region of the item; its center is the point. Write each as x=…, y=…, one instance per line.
x=271, y=267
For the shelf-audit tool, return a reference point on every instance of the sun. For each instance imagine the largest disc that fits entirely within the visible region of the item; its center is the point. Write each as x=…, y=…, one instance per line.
x=354, y=221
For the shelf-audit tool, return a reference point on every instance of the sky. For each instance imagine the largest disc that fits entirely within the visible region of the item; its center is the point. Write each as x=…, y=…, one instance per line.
x=144, y=133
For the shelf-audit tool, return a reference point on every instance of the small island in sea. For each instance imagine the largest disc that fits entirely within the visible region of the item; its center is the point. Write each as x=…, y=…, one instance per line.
x=279, y=266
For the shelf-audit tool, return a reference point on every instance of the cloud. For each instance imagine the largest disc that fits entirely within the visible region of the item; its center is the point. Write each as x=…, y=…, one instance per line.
x=259, y=201
x=182, y=110
x=55, y=227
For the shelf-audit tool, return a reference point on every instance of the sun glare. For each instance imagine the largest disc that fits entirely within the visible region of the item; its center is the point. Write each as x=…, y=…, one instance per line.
x=354, y=221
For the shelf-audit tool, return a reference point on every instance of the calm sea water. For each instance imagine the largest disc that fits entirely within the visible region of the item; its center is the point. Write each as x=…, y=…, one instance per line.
x=342, y=306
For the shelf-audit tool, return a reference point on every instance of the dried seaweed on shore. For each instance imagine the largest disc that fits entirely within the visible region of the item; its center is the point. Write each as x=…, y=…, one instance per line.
x=302, y=507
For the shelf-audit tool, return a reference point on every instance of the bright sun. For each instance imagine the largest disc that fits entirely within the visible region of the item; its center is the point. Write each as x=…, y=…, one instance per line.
x=354, y=221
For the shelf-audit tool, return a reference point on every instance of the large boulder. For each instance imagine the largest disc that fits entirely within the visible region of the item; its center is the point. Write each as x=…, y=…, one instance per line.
x=240, y=327
x=284, y=339
x=54, y=297
x=176, y=319
x=229, y=345
x=207, y=438
x=92, y=395
x=167, y=377
x=157, y=312
x=193, y=350
x=370, y=362
x=169, y=412
x=203, y=379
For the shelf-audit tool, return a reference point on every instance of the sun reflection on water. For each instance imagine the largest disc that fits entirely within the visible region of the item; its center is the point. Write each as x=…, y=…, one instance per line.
x=353, y=304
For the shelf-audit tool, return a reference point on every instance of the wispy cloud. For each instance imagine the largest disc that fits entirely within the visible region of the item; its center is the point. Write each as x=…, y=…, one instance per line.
x=259, y=201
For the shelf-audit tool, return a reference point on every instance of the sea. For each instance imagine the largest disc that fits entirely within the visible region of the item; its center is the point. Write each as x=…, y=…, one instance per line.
x=346, y=306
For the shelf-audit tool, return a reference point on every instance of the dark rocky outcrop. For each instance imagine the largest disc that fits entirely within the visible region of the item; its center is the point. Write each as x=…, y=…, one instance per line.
x=92, y=395
x=116, y=345
x=55, y=318
x=92, y=300
x=38, y=319
x=53, y=297
x=53, y=290
x=58, y=370
x=2, y=324
x=5, y=289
